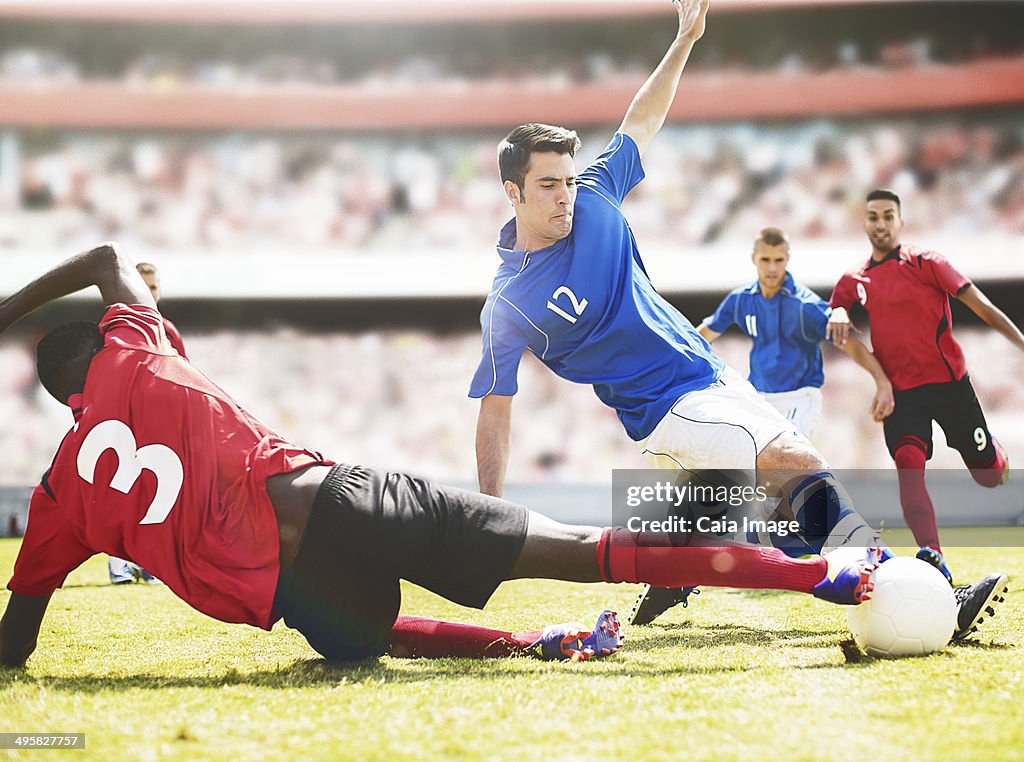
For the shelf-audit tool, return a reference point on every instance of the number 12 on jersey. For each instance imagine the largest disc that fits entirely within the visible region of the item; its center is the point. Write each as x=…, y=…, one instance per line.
x=578, y=305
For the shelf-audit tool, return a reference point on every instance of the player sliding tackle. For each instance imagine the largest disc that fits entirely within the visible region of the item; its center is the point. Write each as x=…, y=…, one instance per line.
x=161, y=467
x=572, y=289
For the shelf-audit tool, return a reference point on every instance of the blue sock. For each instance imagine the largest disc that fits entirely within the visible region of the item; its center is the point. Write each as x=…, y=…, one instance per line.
x=826, y=516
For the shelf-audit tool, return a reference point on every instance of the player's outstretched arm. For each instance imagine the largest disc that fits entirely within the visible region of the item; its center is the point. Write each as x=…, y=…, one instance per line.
x=103, y=266
x=493, y=429
x=646, y=114
x=19, y=628
x=981, y=306
x=884, y=402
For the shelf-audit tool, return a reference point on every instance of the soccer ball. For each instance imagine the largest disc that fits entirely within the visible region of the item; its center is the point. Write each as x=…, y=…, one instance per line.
x=912, y=611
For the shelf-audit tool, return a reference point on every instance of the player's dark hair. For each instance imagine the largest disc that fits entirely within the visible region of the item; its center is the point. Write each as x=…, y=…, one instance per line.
x=772, y=237
x=882, y=194
x=63, y=356
x=514, y=151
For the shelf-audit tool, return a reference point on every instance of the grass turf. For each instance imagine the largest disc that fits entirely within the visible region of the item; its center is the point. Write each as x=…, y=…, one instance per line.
x=739, y=674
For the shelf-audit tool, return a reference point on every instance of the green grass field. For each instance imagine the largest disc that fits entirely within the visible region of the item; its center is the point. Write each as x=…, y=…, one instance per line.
x=736, y=675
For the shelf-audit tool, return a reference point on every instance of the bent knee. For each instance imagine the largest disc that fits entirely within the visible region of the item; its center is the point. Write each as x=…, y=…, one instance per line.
x=791, y=452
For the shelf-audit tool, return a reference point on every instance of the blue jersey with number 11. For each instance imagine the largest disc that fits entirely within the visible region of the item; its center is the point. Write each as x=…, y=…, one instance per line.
x=586, y=308
x=787, y=331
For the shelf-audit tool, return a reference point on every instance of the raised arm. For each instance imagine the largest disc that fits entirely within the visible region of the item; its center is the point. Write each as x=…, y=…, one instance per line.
x=646, y=114
x=980, y=305
x=103, y=266
x=884, y=403
x=19, y=628
x=493, y=427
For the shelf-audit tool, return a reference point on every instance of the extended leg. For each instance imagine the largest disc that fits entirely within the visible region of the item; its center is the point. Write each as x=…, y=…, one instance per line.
x=422, y=637
x=586, y=554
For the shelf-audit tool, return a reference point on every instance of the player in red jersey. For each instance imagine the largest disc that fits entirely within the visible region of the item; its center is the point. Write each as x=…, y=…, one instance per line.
x=164, y=468
x=905, y=291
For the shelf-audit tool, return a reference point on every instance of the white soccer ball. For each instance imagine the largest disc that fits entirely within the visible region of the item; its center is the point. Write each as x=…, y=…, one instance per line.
x=912, y=611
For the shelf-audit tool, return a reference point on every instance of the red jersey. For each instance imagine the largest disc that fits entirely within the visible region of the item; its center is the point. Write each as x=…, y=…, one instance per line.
x=161, y=468
x=906, y=296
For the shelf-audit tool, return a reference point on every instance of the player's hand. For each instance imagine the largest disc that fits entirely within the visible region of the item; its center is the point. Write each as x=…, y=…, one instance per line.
x=883, y=404
x=692, y=18
x=838, y=329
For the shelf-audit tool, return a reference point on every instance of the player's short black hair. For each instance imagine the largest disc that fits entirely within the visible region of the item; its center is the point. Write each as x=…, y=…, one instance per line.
x=514, y=151
x=883, y=194
x=63, y=355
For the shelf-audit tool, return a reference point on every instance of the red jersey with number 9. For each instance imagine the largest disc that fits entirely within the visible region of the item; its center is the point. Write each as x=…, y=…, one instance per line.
x=906, y=296
x=162, y=468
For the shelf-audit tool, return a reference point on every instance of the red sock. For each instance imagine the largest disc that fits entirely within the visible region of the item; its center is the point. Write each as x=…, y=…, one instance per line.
x=415, y=636
x=624, y=556
x=918, y=511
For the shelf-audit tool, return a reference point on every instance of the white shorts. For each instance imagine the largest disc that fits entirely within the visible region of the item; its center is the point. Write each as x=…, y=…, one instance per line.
x=722, y=427
x=801, y=406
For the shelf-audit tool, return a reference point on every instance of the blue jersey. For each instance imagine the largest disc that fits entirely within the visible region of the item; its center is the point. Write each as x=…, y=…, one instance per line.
x=586, y=308
x=787, y=331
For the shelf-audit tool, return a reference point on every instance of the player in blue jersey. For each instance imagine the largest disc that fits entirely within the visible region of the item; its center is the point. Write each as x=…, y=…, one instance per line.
x=786, y=323
x=572, y=289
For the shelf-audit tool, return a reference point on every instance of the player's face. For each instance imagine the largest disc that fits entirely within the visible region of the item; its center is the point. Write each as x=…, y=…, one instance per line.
x=544, y=207
x=153, y=283
x=771, y=263
x=883, y=223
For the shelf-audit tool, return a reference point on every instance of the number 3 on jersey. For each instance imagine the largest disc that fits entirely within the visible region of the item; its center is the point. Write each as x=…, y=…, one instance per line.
x=578, y=305
x=131, y=459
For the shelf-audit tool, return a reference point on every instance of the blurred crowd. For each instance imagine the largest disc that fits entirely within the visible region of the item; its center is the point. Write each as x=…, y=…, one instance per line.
x=398, y=400
x=168, y=64
x=437, y=192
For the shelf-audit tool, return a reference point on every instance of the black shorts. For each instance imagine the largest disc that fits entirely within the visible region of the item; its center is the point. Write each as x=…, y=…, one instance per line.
x=954, y=406
x=367, y=530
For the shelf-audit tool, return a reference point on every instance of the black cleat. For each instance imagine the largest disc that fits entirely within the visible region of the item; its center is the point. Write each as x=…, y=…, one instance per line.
x=655, y=601
x=977, y=602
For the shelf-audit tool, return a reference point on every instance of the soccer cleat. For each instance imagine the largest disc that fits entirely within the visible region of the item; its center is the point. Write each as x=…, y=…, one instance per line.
x=1006, y=462
x=934, y=557
x=848, y=582
x=655, y=601
x=120, y=571
x=148, y=578
x=977, y=602
x=574, y=642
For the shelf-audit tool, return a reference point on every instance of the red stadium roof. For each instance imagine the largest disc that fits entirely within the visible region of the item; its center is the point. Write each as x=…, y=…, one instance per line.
x=352, y=11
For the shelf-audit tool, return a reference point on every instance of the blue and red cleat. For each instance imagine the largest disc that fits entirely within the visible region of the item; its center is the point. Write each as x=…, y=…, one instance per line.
x=849, y=578
x=573, y=642
x=936, y=559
